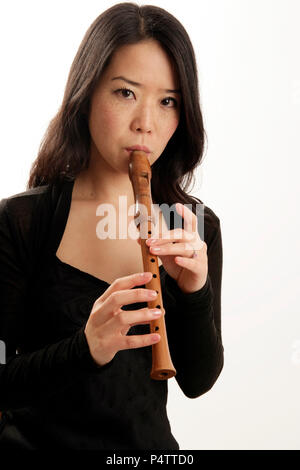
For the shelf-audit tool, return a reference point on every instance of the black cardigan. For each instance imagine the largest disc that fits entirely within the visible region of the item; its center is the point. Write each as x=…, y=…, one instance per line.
x=51, y=391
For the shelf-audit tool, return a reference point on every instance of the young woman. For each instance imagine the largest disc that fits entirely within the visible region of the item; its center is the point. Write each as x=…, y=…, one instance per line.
x=73, y=305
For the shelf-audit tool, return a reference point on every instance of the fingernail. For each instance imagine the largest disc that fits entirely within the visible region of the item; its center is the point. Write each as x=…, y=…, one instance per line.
x=152, y=293
x=156, y=312
x=155, y=338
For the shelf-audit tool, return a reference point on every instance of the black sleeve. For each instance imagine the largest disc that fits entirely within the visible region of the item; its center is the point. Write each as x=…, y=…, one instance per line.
x=193, y=323
x=25, y=378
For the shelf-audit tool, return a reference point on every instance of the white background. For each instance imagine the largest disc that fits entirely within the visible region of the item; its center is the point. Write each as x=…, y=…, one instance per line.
x=248, y=60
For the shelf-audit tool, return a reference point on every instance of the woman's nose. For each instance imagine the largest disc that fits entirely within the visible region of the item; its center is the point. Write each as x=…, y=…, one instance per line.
x=143, y=120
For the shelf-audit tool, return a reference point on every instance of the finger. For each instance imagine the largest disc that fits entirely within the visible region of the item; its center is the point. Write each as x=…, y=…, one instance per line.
x=180, y=249
x=112, y=305
x=192, y=264
x=125, y=319
x=190, y=221
x=173, y=236
x=138, y=341
x=126, y=282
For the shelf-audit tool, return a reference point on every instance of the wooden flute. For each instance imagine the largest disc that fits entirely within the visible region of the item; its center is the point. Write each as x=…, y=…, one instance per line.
x=140, y=177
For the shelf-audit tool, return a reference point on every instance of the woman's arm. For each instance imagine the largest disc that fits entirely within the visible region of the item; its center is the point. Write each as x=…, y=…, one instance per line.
x=193, y=323
x=26, y=378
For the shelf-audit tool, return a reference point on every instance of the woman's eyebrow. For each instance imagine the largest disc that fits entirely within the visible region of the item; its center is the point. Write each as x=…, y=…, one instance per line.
x=131, y=82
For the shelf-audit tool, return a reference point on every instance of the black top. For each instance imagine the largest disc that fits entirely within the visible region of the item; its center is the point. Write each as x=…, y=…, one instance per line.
x=52, y=393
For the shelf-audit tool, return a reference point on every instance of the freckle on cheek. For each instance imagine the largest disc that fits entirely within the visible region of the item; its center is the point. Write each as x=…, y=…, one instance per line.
x=109, y=118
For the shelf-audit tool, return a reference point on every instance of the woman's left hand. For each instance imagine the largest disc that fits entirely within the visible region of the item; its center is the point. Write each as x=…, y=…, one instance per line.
x=182, y=252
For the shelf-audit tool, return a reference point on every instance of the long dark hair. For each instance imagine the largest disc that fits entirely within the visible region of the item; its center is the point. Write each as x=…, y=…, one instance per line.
x=64, y=150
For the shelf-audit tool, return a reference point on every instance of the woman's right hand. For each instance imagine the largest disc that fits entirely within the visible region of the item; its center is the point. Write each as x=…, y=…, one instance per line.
x=108, y=324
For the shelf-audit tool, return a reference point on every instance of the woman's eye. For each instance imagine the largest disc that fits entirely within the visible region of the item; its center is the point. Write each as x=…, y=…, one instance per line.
x=124, y=92
x=170, y=102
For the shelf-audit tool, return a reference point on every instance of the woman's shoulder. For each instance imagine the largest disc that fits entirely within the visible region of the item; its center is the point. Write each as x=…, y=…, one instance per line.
x=24, y=204
x=24, y=199
x=27, y=214
x=25, y=219
x=19, y=212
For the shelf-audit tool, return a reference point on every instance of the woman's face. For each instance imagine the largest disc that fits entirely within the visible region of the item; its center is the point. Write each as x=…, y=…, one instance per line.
x=135, y=103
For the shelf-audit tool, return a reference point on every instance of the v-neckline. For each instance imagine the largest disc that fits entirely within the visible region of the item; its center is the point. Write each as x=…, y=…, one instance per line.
x=60, y=221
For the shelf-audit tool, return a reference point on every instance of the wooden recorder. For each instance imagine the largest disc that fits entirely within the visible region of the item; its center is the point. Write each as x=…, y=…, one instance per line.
x=140, y=176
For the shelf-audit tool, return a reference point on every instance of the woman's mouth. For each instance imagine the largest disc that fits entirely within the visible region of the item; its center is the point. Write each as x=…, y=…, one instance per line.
x=142, y=148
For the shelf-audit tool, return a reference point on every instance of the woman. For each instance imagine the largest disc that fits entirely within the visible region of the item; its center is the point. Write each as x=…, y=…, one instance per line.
x=77, y=373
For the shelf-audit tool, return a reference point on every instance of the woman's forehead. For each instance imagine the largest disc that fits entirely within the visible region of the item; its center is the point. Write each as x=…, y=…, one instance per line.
x=142, y=63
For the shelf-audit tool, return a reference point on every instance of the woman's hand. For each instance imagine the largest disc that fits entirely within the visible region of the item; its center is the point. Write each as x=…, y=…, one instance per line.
x=108, y=324
x=176, y=249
